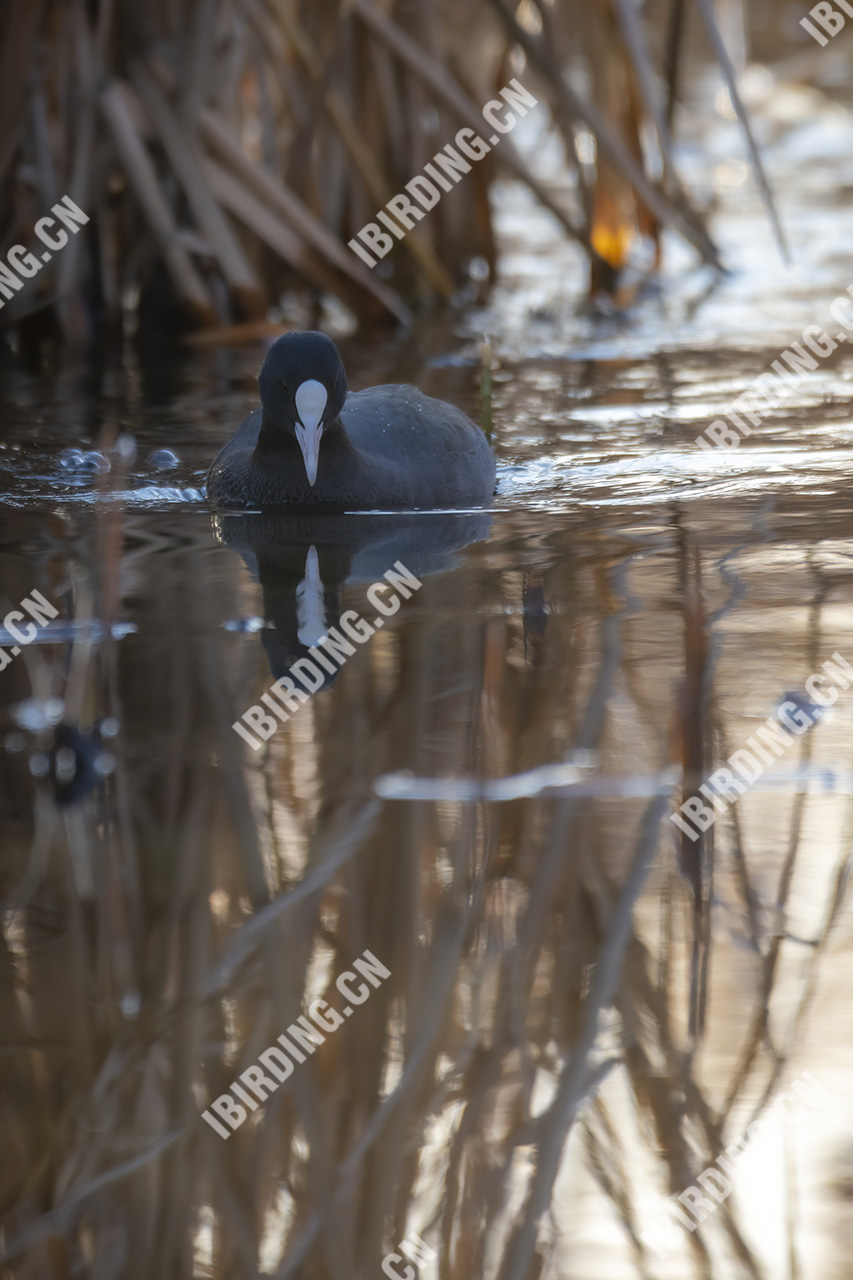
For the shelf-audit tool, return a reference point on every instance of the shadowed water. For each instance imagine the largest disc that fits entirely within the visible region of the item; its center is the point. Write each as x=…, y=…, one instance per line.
x=583, y=1009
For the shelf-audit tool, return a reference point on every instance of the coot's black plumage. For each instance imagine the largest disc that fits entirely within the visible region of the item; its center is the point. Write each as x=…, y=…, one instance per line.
x=311, y=444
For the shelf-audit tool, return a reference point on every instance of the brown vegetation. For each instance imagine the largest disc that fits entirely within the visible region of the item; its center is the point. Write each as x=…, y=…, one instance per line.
x=226, y=150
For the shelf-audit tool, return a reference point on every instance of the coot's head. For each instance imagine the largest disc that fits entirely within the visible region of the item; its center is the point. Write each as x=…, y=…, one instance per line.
x=303, y=386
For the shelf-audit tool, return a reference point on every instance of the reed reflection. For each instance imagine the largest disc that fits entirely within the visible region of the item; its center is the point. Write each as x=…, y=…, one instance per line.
x=556, y=1036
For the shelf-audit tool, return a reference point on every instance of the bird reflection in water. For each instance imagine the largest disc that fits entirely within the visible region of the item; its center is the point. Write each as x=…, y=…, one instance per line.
x=303, y=561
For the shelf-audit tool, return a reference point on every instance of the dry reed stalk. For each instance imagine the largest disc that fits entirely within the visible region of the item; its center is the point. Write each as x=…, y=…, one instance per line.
x=211, y=220
x=189, y=286
x=220, y=139
x=266, y=226
x=22, y=21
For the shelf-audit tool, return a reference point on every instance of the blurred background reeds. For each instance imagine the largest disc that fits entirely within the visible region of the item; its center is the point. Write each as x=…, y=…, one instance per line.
x=225, y=151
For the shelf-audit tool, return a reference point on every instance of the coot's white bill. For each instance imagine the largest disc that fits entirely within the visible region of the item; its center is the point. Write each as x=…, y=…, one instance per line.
x=311, y=397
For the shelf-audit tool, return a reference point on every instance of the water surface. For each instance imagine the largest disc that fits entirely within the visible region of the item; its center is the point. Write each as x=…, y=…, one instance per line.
x=583, y=1011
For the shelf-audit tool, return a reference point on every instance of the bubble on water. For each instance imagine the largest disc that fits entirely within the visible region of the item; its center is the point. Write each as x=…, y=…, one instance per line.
x=39, y=764
x=35, y=715
x=53, y=709
x=163, y=460
x=109, y=727
x=14, y=741
x=95, y=463
x=89, y=463
x=105, y=763
x=65, y=764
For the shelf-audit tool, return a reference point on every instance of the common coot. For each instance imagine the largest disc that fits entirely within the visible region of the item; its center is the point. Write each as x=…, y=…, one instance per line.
x=311, y=444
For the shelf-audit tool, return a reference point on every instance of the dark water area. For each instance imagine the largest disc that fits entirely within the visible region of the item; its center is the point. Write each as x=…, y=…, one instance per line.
x=582, y=1010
